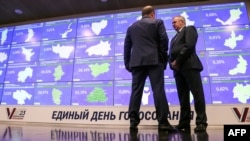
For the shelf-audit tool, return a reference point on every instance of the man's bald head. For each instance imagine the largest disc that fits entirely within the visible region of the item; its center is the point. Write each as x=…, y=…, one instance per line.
x=147, y=10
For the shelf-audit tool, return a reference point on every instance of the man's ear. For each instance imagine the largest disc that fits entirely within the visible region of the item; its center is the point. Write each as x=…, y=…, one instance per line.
x=152, y=15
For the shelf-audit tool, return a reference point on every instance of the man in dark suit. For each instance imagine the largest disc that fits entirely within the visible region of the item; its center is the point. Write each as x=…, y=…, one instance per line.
x=186, y=67
x=145, y=55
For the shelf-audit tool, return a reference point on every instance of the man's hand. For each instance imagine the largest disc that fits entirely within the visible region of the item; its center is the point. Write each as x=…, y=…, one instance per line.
x=128, y=69
x=174, y=65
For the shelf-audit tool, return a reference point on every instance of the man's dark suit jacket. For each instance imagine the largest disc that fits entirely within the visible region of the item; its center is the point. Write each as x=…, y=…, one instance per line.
x=182, y=49
x=146, y=43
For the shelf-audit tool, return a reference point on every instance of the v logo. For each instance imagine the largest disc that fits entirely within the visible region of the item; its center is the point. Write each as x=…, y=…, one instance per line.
x=10, y=112
x=241, y=116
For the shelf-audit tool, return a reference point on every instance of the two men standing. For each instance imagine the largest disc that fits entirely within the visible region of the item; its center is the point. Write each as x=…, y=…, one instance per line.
x=146, y=55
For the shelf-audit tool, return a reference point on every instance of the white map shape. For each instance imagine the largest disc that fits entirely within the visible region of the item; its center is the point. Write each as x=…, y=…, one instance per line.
x=102, y=49
x=23, y=75
x=63, y=51
x=241, y=67
x=188, y=22
x=234, y=16
x=241, y=92
x=97, y=27
x=145, y=95
x=28, y=53
x=4, y=35
x=3, y=56
x=65, y=34
x=21, y=96
x=30, y=35
x=232, y=41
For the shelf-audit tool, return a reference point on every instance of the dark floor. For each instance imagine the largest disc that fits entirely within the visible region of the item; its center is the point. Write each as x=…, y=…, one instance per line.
x=18, y=131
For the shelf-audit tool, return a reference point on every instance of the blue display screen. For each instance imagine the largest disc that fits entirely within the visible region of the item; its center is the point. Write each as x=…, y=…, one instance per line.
x=6, y=34
x=120, y=71
x=80, y=61
x=60, y=29
x=53, y=93
x=227, y=37
x=18, y=94
x=224, y=14
x=27, y=33
x=2, y=73
x=1, y=92
x=95, y=25
x=93, y=93
x=94, y=69
x=57, y=49
x=21, y=72
x=124, y=20
x=230, y=90
x=98, y=46
x=55, y=71
x=119, y=44
x=122, y=90
x=4, y=55
x=228, y=63
x=191, y=14
x=25, y=52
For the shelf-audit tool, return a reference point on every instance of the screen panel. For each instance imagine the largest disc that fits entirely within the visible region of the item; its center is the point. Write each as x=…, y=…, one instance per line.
x=55, y=71
x=95, y=25
x=224, y=14
x=96, y=46
x=2, y=73
x=230, y=90
x=228, y=63
x=57, y=49
x=124, y=20
x=6, y=34
x=60, y=29
x=122, y=91
x=21, y=72
x=18, y=94
x=227, y=37
x=24, y=52
x=1, y=92
x=4, y=55
x=94, y=69
x=191, y=14
x=93, y=93
x=119, y=44
x=120, y=70
x=53, y=93
x=27, y=33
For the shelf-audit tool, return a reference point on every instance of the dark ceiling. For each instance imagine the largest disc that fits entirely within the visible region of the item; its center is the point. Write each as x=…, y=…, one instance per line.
x=46, y=9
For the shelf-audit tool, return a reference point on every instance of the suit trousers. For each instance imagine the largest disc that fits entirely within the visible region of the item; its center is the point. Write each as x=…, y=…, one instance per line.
x=156, y=77
x=186, y=81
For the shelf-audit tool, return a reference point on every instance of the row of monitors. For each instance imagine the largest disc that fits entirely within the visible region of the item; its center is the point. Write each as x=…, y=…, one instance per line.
x=212, y=38
x=218, y=90
x=215, y=63
x=199, y=16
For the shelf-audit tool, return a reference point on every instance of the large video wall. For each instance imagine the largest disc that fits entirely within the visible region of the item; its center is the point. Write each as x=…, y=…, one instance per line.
x=79, y=61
